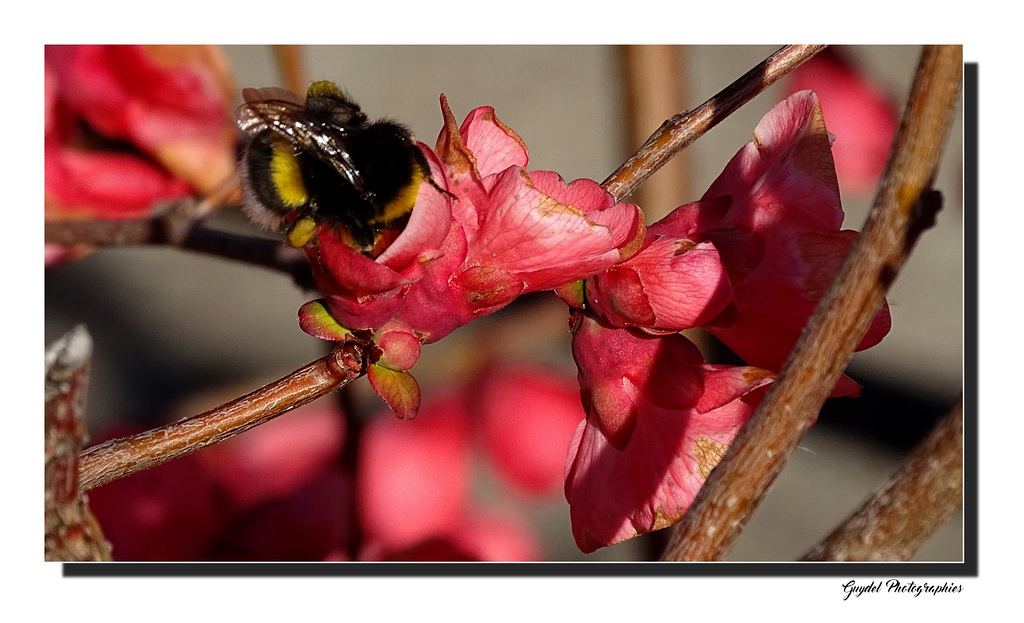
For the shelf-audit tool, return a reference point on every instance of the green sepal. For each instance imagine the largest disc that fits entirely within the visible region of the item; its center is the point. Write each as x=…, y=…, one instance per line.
x=316, y=320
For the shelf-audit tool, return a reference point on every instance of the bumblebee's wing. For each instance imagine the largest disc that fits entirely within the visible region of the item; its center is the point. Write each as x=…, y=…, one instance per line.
x=259, y=115
x=288, y=120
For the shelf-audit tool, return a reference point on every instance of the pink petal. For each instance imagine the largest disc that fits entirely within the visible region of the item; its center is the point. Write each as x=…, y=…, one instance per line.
x=436, y=304
x=427, y=227
x=349, y=269
x=789, y=163
x=621, y=368
x=547, y=243
x=616, y=492
x=860, y=113
x=671, y=284
x=495, y=147
x=774, y=216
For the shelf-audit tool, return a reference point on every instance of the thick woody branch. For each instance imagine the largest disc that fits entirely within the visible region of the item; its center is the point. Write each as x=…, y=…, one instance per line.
x=904, y=206
x=71, y=531
x=915, y=501
x=684, y=128
x=122, y=457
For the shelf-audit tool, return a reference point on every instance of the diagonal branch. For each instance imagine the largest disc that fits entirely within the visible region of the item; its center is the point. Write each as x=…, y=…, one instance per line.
x=914, y=502
x=903, y=208
x=118, y=458
x=684, y=128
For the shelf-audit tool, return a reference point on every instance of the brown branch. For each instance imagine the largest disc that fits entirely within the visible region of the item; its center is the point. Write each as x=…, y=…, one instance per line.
x=177, y=228
x=71, y=531
x=684, y=128
x=903, y=208
x=118, y=458
x=915, y=501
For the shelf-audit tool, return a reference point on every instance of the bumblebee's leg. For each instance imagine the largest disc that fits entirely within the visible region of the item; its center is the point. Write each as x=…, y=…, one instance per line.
x=424, y=166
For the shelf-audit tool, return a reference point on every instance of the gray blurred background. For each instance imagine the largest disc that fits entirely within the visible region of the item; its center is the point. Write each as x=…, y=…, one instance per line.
x=170, y=326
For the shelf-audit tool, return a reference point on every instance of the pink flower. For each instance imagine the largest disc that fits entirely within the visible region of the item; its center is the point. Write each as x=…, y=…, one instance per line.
x=752, y=258
x=276, y=458
x=860, y=114
x=774, y=216
x=414, y=494
x=363, y=292
x=659, y=418
x=129, y=128
x=507, y=232
x=170, y=102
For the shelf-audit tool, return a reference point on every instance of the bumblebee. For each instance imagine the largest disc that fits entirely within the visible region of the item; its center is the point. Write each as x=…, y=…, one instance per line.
x=322, y=161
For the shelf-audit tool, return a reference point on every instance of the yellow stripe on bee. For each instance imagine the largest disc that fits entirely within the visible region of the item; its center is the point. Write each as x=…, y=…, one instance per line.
x=403, y=203
x=287, y=178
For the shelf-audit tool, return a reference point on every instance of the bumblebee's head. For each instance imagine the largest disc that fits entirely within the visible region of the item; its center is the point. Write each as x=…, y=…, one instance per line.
x=324, y=97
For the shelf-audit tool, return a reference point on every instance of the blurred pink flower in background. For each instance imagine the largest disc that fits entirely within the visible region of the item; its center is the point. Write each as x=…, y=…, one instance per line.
x=276, y=457
x=526, y=417
x=412, y=479
x=281, y=492
x=415, y=496
x=275, y=493
x=129, y=128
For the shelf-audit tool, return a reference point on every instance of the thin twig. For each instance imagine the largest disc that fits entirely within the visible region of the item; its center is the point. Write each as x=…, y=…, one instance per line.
x=914, y=502
x=118, y=458
x=682, y=129
x=903, y=208
x=178, y=230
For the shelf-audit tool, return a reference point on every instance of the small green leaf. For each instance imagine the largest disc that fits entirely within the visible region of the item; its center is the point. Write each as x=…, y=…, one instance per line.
x=316, y=320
